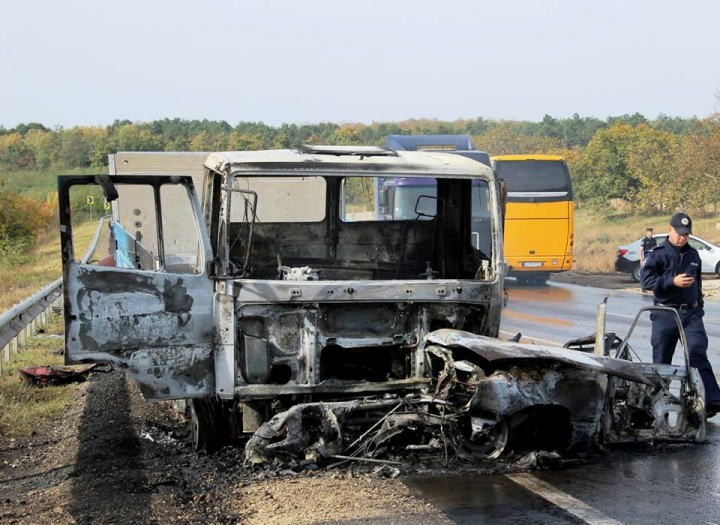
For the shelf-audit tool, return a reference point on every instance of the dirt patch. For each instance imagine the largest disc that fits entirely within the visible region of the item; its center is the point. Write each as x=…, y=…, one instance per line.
x=112, y=458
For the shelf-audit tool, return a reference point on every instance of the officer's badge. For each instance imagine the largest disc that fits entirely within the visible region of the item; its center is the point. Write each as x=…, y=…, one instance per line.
x=684, y=221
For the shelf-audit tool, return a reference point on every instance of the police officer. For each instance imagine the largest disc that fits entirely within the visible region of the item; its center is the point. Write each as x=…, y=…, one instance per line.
x=672, y=272
x=646, y=245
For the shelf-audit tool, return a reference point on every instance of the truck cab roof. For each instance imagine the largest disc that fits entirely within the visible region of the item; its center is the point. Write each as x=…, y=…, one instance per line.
x=347, y=160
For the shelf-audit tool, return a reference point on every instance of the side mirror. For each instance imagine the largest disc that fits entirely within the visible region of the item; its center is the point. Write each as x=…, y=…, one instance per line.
x=424, y=207
x=109, y=189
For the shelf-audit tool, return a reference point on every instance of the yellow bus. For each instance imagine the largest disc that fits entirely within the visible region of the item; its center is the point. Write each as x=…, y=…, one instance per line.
x=539, y=216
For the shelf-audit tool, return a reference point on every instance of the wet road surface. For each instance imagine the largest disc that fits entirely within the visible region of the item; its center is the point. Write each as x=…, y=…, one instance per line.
x=671, y=484
x=557, y=313
x=679, y=484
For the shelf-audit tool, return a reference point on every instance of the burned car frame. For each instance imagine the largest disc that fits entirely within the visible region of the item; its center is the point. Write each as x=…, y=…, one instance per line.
x=566, y=399
x=280, y=287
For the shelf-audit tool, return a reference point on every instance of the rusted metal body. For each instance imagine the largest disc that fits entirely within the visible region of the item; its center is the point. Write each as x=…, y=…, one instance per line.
x=282, y=299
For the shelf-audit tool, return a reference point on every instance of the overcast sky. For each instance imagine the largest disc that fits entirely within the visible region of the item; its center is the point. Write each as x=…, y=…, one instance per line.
x=89, y=62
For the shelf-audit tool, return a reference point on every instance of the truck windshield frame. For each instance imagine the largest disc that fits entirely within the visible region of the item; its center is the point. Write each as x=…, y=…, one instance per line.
x=371, y=248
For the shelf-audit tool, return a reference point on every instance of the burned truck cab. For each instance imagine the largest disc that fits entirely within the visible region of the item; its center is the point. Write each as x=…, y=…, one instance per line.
x=281, y=284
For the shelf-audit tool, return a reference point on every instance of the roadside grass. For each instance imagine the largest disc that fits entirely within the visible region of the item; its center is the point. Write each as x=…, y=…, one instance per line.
x=22, y=407
x=41, y=266
x=597, y=238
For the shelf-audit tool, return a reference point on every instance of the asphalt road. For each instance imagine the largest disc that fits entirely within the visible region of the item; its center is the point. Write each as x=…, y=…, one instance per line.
x=668, y=485
x=557, y=313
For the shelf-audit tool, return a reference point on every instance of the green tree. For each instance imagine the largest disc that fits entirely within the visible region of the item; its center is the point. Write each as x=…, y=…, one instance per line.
x=602, y=174
x=652, y=160
x=14, y=153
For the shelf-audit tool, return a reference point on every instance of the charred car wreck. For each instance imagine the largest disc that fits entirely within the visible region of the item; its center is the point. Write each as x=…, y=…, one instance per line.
x=287, y=306
x=489, y=395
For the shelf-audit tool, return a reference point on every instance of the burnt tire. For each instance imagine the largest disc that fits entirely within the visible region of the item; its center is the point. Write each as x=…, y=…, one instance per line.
x=492, y=445
x=209, y=424
x=635, y=272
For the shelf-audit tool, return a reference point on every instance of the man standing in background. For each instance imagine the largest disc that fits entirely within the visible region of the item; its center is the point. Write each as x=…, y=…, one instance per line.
x=647, y=244
x=672, y=272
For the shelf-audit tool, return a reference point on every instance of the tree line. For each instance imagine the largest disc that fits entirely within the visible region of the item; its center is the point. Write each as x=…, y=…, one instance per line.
x=627, y=164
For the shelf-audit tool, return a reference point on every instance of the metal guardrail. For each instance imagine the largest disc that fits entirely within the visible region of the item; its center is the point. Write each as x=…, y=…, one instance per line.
x=22, y=320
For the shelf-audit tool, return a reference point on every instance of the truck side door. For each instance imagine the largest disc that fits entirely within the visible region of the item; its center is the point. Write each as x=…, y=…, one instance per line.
x=144, y=299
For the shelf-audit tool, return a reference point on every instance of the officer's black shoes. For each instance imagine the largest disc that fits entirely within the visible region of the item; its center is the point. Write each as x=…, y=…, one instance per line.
x=712, y=408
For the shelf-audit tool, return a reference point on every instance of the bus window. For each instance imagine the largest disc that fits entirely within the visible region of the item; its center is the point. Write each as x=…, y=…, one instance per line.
x=534, y=176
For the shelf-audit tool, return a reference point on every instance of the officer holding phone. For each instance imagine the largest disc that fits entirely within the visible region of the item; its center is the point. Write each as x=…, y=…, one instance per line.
x=672, y=272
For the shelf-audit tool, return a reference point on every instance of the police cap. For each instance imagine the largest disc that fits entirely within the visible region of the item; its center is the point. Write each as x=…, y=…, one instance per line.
x=682, y=223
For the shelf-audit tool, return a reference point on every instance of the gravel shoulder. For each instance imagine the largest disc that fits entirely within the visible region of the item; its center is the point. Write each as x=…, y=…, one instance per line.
x=112, y=458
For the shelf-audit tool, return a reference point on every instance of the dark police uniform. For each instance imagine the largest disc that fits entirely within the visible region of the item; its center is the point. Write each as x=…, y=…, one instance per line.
x=661, y=266
x=647, y=245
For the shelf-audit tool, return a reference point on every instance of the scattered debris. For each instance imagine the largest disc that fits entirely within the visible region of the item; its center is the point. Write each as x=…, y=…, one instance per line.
x=58, y=375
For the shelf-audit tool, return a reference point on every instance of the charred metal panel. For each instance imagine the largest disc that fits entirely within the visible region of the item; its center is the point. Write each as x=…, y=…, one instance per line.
x=225, y=362
x=672, y=409
x=175, y=372
x=466, y=292
x=383, y=321
x=496, y=351
x=257, y=359
x=375, y=335
x=580, y=392
x=158, y=325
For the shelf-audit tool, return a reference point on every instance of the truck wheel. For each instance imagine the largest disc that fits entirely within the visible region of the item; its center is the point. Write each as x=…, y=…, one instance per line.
x=209, y=424
x=635, y=273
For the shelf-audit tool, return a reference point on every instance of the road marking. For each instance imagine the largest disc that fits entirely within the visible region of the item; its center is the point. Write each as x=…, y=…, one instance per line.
x=621, y=315
x=563, y=500
x=531, y=339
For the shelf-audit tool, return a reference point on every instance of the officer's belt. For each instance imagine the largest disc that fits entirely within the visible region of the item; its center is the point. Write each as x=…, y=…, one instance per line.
x=681, y=307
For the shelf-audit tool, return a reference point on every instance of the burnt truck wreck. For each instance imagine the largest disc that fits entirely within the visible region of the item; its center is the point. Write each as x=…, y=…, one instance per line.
x=282, y=306
x=282, y=287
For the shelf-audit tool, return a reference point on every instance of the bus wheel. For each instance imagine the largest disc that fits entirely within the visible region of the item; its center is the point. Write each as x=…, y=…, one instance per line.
x=532, y=280
x=538, y=280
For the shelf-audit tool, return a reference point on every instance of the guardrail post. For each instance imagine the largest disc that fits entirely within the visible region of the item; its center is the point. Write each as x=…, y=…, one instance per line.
x=21, y=336
x=6, y=354
x=15, y=345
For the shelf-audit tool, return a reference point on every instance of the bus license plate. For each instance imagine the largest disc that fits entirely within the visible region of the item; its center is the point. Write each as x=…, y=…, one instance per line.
x=532, y=264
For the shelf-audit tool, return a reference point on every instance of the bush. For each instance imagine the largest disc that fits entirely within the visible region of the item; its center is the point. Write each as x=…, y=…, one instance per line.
x=13, y=253
x=21, y=220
